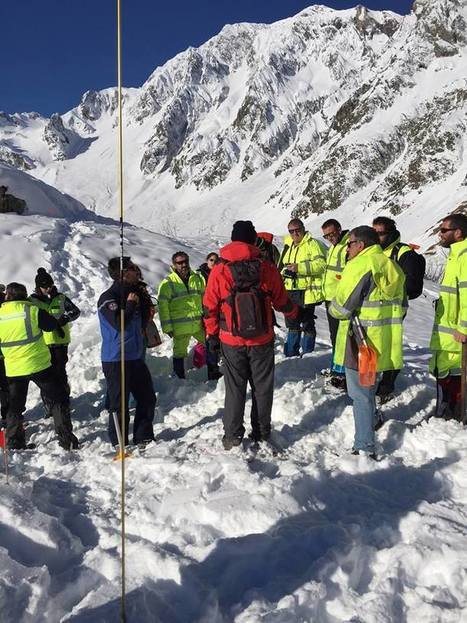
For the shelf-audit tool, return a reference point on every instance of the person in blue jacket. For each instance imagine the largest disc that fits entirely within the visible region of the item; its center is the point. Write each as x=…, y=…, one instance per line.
x=124, y=292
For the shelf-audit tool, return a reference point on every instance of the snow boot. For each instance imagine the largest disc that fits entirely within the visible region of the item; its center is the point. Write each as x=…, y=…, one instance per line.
x=231, y=442
x=179, y=367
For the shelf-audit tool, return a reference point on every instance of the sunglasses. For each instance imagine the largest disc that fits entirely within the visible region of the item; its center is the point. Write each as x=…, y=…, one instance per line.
x=181, y=263
x=333, y=234
x=295, y=231
x=212, y=259
x=444, y=230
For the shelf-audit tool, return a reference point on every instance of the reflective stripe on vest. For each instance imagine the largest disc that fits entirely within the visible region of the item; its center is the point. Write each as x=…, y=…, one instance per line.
x=381, y=322
x=382, y=303
x=448, y=289
x=441, y=329
x=30, y=339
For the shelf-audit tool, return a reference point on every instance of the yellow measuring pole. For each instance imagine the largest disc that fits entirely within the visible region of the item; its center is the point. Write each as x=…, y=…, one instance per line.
x=122, y=314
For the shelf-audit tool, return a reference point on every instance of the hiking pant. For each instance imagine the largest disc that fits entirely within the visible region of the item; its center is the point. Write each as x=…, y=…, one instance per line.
x=4, y=392
x=305, y=325
x=54, y=393
x=138, y=382
x=243, y=364
x=333, y=329
x=364, y=410
x=451, y=387
x=59, y=359
x=181, y=342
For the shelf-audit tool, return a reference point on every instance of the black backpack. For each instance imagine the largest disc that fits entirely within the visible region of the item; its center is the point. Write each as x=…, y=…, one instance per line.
x=413, y=264
x=247, y=300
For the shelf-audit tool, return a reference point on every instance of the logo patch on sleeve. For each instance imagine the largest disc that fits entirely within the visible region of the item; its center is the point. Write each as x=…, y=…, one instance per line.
x=113, y=306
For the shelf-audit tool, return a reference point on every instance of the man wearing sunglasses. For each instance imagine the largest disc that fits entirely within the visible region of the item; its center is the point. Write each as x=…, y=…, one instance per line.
x=371, y=290
x=336, y=258
x=124, y=293
x=413, y=266
x=450, y=324
x=302, y=266
x=181, y=310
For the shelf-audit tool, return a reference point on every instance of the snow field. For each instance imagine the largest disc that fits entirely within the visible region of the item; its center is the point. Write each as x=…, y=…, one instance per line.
x=314, y=535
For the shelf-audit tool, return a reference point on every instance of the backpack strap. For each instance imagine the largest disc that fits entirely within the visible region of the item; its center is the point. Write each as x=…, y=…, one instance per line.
x=281, y=259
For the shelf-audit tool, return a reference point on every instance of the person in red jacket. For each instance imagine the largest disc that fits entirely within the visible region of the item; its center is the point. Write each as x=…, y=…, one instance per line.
x=238, y=301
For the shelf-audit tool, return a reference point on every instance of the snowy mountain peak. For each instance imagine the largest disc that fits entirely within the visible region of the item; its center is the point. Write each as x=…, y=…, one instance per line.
x=354, y=111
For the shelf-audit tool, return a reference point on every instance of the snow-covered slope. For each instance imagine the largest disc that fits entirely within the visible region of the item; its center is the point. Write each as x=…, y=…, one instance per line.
x=318, y=535
x=352, y=112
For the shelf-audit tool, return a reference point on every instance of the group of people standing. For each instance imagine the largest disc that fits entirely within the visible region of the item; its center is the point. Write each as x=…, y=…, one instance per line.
x=34, y=338
x=365, y=279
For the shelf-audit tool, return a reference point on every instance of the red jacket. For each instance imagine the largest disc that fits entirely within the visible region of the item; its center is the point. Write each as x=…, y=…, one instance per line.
x=218, y=314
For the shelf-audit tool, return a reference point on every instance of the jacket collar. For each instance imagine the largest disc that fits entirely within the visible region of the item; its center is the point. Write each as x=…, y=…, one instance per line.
x=306, y=238
x=237, y=251
x=458, y=247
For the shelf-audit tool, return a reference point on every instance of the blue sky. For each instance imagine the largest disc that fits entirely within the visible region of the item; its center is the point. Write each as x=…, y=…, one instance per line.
x=54, y=51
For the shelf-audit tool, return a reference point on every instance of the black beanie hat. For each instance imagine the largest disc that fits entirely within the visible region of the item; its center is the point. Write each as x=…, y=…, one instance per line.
x=43, y=279
x=243, y=231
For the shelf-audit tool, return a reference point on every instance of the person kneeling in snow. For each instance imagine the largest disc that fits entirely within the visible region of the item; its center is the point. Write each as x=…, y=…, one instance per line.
x=27, y=358
x=241, y=291
x=124, y=292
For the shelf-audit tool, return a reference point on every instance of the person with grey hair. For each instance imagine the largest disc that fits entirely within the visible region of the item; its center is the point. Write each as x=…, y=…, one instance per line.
x=370, y=298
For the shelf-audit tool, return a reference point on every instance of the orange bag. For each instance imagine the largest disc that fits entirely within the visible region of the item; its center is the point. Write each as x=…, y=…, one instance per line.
x=367, y=357
x=367, y=365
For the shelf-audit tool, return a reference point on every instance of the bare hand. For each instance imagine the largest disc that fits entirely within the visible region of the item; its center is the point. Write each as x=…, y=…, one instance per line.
x=292, y=267
x=133, y=297
x=460, y=337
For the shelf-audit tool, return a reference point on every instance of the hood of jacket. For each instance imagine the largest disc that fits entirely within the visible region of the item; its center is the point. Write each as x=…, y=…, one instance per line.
x=237, y=251
x=386, y=273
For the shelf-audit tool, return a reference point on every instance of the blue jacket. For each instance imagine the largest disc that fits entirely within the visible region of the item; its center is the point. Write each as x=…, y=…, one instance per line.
x=108, y=310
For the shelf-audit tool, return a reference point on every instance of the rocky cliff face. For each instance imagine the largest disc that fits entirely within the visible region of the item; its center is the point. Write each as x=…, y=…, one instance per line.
x=326, y=109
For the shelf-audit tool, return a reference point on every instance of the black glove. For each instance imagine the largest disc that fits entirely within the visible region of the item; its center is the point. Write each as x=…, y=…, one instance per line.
x=60, y=331
x=214, y=344
x=62, y=321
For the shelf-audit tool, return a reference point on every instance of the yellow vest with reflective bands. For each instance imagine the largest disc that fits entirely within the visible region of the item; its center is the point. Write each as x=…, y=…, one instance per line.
x=56, y=308
x=310, y=255
x=180, y=305
x=334, y=267
x=373, y=289
x=21, y=339
x=451, y=309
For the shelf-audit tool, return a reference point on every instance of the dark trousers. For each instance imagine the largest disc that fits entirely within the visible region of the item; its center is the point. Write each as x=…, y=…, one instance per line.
x=54, y=393
x=138, y=382
x=4, y=391
x=333, y=326
x=306, y=324
x=253, y=364
x=59, y=359
x=388, y=380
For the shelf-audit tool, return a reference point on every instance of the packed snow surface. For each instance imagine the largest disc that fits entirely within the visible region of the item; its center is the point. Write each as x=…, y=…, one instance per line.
x=314, y=535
